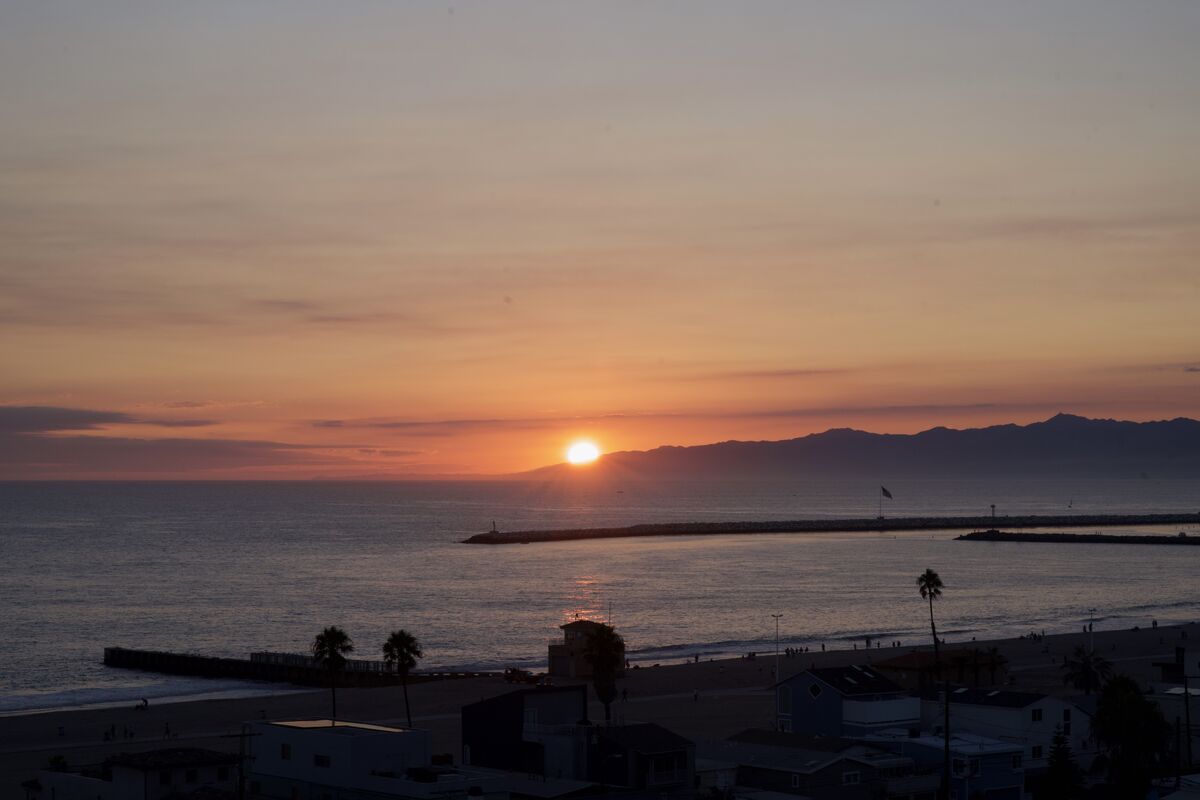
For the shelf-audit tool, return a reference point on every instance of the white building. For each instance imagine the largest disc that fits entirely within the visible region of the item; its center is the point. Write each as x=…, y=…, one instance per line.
x=1023, y=718
x=317, y=759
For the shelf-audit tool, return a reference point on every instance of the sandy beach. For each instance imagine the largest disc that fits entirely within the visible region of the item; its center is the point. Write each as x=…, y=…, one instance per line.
x=710, y=699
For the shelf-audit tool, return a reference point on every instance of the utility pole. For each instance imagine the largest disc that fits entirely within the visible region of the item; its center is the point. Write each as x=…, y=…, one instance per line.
x=777, y=616
x=1187, y=715
x=946, y=734
x=1178, y=756
x=243, y=756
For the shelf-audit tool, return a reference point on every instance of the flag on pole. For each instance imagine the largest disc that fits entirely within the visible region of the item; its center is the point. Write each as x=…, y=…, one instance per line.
x=883, y=491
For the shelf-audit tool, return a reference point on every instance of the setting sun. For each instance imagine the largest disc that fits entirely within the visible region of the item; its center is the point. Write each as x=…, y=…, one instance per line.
x=582, y=453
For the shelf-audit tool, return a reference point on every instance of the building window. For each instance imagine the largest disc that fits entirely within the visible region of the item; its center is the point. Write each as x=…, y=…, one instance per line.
x=814, y=690
x=1066, y=715
x=190, y=776
x=795, y=781
x=1016, y=761
x=785, y=700
x=222, y=773
x=285, y=752
x=1037, y=752
x=1037, y=715
x=849, y=778
x=320, y=760
x=785, y=725
x=1066, y=728
x=164, y=779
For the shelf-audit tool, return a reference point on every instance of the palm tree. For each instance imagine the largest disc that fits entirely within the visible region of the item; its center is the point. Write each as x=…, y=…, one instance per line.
x=996, y=660
x=605, y=650
x=329, y=649
x=1086, y=670
x=1130, y=728
x=400, y=653
x=930, y=586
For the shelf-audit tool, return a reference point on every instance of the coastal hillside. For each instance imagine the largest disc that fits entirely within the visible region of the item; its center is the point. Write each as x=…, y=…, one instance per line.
x=1062, y=446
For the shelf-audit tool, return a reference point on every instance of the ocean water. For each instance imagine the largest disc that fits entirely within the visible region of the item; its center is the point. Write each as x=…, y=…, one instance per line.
x=229, y=568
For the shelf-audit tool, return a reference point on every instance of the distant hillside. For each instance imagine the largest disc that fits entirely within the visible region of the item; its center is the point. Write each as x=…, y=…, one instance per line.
x=1062, y=446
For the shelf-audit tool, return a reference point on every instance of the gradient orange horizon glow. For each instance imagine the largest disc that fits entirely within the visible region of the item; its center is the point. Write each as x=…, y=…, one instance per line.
x=376, y=240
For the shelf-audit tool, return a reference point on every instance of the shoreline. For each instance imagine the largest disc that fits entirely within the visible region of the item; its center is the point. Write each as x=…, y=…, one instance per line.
x=855, y=525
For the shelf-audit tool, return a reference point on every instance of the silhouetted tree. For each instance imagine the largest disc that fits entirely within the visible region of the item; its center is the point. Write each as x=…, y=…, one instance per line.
x=1086, y=670
x=604, y=650
x=1063, y=780
x=930, y=586
x=400, y=653
x=1133, y=733
x=330, y=649
x=996, y=660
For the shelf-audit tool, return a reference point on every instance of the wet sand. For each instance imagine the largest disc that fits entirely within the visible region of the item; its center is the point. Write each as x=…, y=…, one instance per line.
x=733, y=694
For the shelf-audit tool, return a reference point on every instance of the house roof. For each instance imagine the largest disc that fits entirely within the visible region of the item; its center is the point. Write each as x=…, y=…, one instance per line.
x=172, y=758
x=795, y=756
x=341, y=727
x=645, y=737
x=855, y=680
x=998, y=698
x=797, y=741
x=582, y=625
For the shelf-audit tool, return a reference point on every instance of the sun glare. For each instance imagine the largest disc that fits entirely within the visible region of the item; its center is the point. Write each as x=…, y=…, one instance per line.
x=582, y=453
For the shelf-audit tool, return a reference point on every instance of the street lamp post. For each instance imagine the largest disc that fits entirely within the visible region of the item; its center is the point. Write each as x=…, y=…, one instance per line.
x=777, y=616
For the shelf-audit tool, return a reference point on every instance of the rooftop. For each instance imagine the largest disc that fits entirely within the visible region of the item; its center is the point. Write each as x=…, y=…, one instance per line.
x=645, y=737
x=999, y=698
x=855, y=680
x=968, y=744
x=582, y=624
x=798, y=741
x=797, y=756
x=341, y=727
x=172, y=758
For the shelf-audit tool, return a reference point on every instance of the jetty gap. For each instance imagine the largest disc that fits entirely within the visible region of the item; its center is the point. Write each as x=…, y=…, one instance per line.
x=872, y=524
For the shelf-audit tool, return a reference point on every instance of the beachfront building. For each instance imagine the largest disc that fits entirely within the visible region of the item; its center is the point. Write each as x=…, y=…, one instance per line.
x=1027, y=719
x=150, y=775
x=568, y=656
x=545, y=731
x=843, y=701
x=818, y=767
x=318, y=759
x=979, y=766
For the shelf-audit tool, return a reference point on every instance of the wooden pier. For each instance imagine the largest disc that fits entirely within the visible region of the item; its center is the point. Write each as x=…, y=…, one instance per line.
x=274, y=667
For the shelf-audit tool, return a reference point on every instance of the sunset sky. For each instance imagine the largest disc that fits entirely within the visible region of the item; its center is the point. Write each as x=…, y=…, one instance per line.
x=296, y=239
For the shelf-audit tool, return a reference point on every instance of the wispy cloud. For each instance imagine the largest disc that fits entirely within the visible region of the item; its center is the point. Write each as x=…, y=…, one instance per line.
x=45, y=419
x=45, y=441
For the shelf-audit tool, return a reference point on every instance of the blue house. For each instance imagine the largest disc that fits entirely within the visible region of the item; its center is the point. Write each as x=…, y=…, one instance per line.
x=844, y=701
